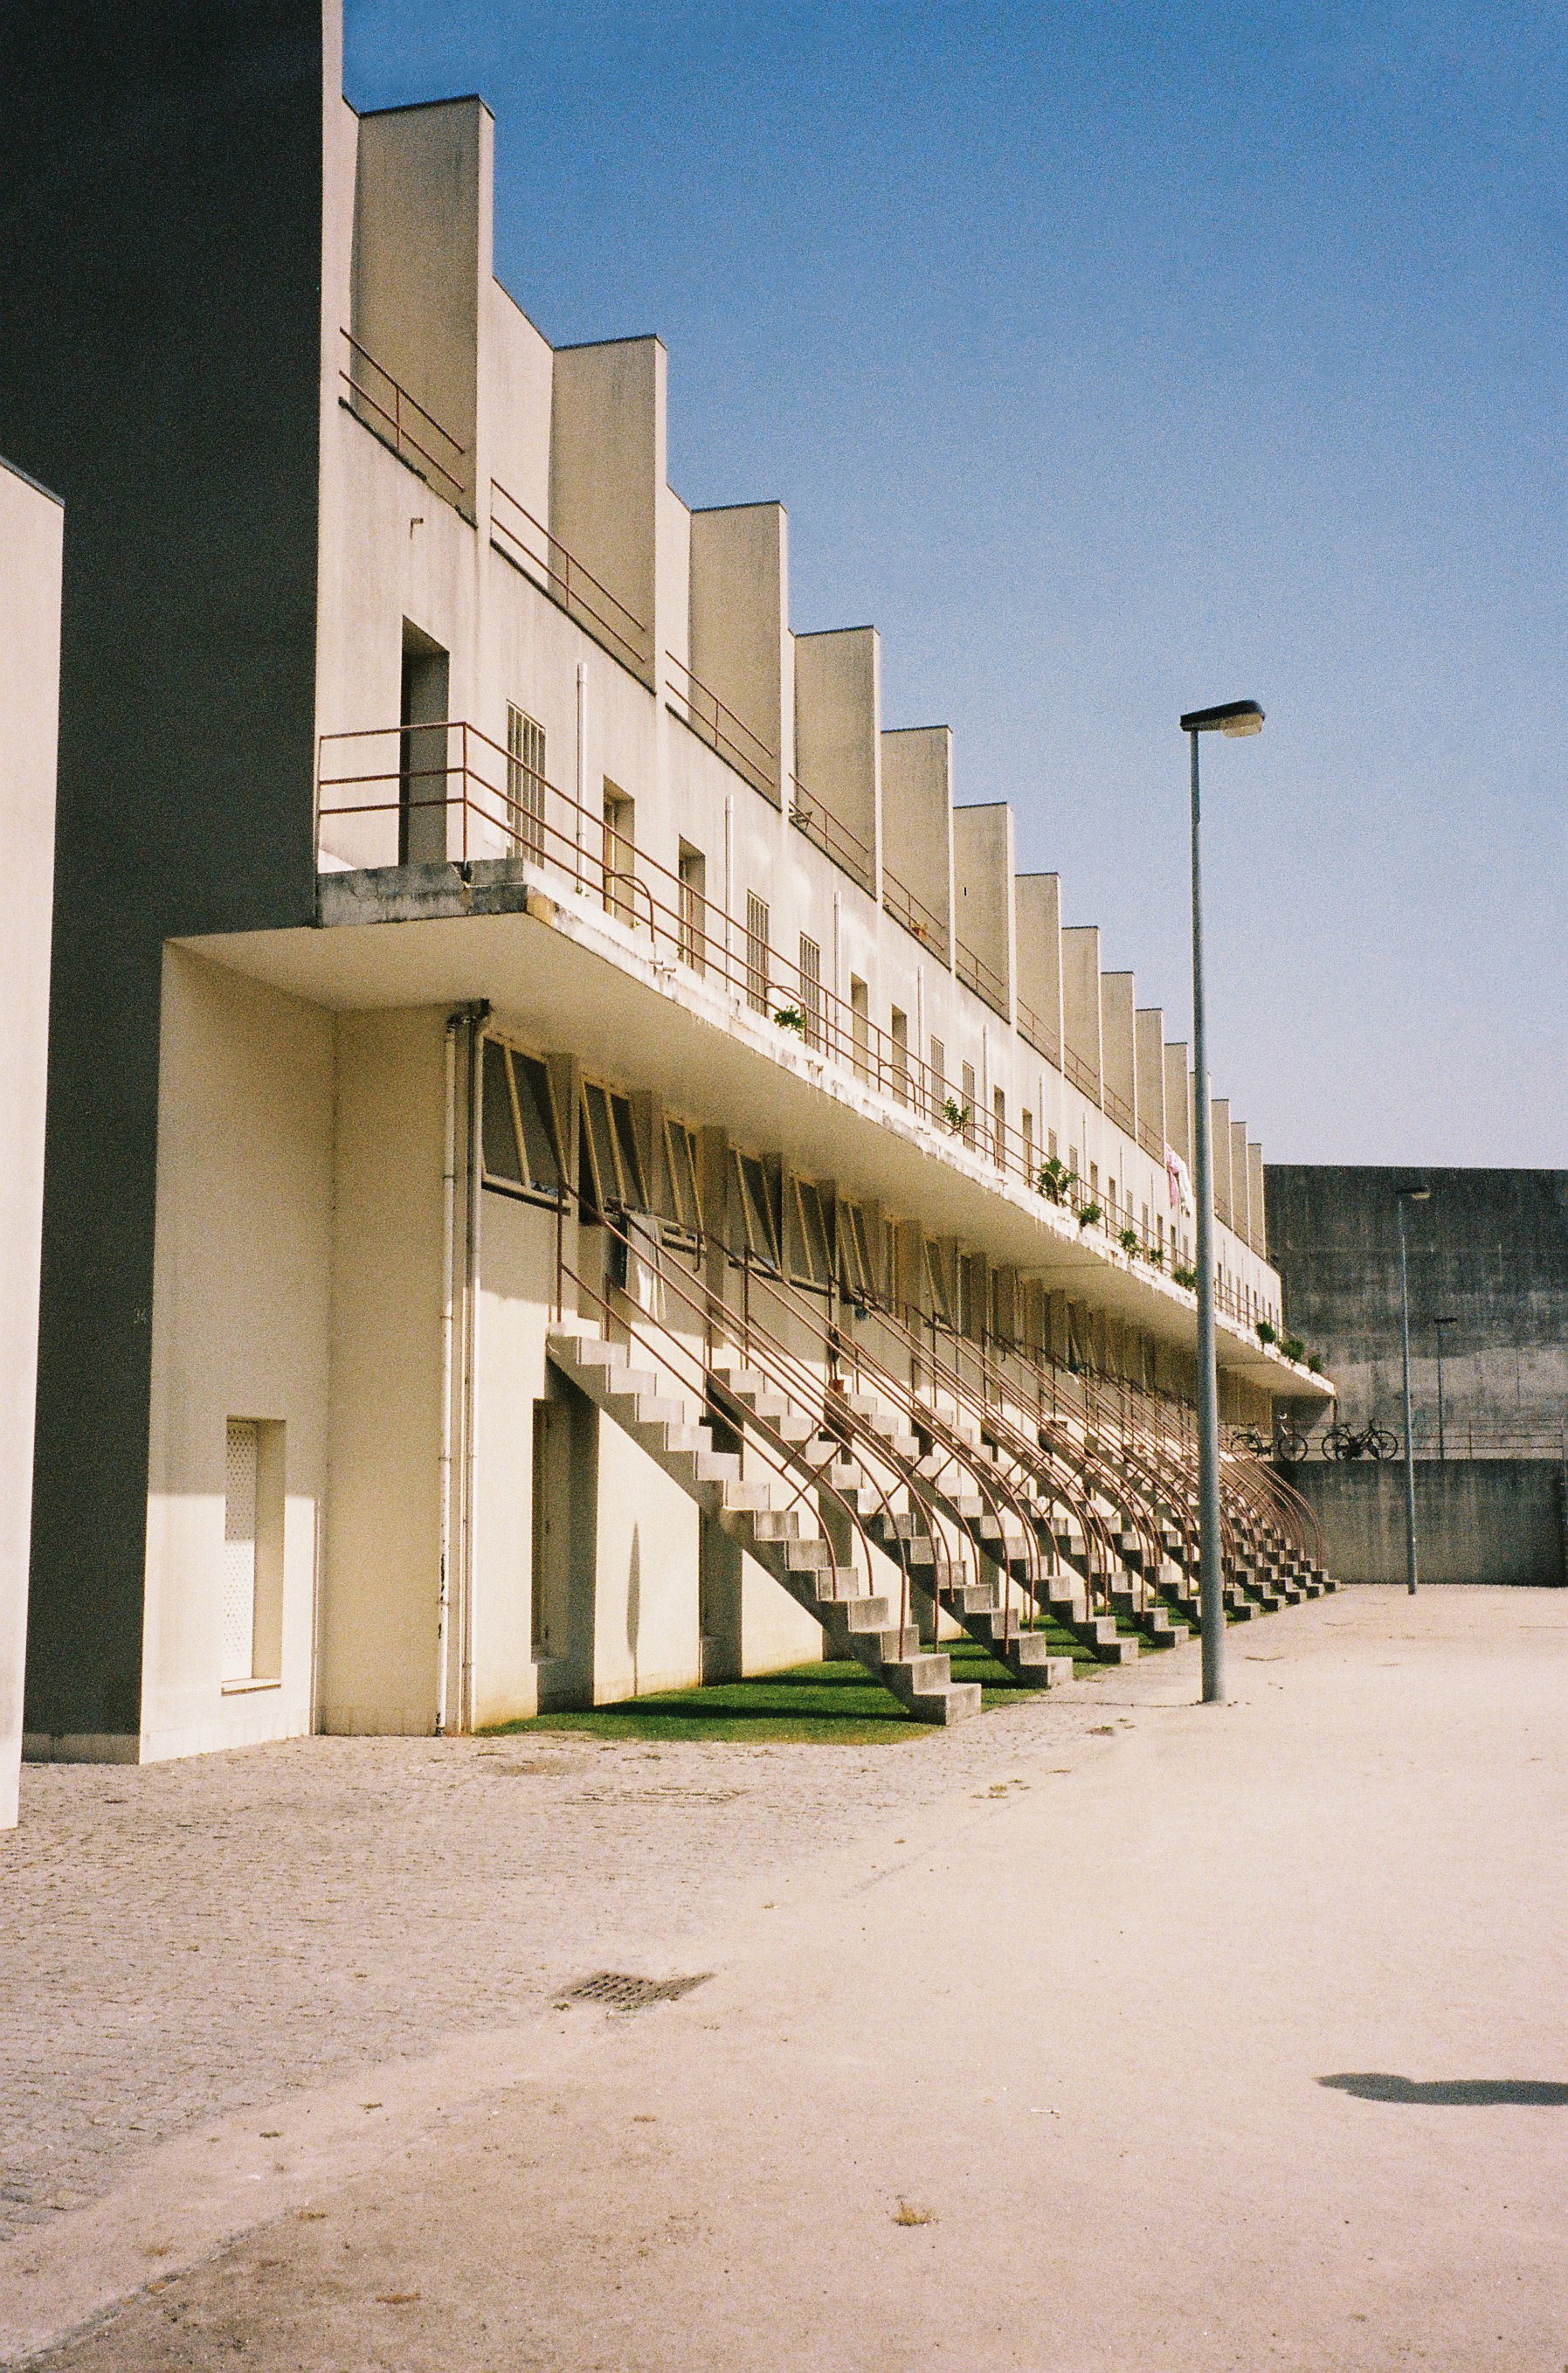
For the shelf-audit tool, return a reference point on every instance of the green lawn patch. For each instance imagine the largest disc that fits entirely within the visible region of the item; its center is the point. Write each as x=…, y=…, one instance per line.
x=824, y=1705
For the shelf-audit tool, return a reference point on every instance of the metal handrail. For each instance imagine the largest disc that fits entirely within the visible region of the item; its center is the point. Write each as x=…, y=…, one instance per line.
x=401, y=434
x=976, y=974
x=565, y=577
x=1032, y=1026
x=724, y=731
x=921, y=922
x=837, y=840
x=1077, y=1072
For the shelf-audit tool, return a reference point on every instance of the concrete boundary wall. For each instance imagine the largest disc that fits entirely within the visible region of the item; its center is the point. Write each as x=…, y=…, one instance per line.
x=1476, y=1520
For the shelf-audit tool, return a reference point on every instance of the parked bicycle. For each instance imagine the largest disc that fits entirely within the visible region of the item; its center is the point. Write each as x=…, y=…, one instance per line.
x=1345, y=1441
x=1287, y=1445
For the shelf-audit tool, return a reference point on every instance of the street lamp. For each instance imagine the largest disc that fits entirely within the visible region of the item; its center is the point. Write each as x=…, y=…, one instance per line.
x=1441, y=1441
x=1235, y=718
x=1409, y=1195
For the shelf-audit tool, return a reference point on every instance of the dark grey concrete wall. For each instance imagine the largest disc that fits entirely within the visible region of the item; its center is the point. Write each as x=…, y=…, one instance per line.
x=1476, y=1520
x=1490, y=1251
x=160, y=240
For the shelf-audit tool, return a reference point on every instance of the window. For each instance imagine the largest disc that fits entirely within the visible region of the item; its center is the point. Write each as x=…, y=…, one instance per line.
x=620, y=854
x=519, y=1140
x=861, y=1025
x=938, y=1077
x=936, y=1280
x=693, y=870
x=857, y=1270
x=968, y=1315
x=998, y=1128
x=1050, y=1146
x=810, y=1256
x=1026, y=1129
x=1072, y=1161
x=252, y=1646
x=1094, y=1180
x=683, y=1201
x=969, y=1102
x=899, y=1030
x=525, y=783
x=758, y=925
x=756, y=1210
x=614, y=1176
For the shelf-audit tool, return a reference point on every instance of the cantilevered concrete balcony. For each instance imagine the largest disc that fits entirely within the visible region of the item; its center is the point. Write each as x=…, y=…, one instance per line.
x=450, y=870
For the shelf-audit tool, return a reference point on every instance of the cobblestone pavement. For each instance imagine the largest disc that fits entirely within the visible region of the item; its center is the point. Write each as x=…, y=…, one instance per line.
x=187, y=1939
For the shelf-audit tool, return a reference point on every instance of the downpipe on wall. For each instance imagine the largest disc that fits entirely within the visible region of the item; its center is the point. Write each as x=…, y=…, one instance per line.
x=470, y=1018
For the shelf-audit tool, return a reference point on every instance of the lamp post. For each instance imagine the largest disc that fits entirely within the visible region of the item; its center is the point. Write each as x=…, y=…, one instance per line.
x=1442, y=1439
x=1409, y=1195
x=1236, y=717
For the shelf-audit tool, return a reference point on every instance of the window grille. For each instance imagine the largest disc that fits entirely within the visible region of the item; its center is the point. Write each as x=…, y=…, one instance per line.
x=998, y=1128
x=758, y=924
x=240, y=1550
x=899, y=1032
x=525, y=783
x=810, y=990
x=968, y=1101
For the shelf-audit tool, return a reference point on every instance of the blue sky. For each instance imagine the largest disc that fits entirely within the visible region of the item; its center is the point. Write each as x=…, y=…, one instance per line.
x=1115, y=360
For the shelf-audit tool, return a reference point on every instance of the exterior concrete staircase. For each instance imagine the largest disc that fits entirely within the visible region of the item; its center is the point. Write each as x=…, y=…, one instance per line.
x=854, y=1621
x=975, y=1605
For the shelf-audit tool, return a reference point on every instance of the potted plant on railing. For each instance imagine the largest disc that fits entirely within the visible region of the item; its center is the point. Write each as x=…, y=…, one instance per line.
x=1314, y=1361
x=1088, y=1214
x=956, y=1115
x=1187, y=1277
x=1266, y=1334
x=1155, y=1257
x=1130, y=1243
x=789, y=1017
x=1293, y=1347
x=1053, y=1179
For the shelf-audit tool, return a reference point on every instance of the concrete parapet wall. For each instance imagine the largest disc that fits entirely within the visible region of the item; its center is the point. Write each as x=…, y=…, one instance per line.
x=1476, y=1520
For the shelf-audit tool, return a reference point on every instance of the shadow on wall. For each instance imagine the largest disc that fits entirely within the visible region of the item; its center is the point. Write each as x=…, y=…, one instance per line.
x=1456, y=2092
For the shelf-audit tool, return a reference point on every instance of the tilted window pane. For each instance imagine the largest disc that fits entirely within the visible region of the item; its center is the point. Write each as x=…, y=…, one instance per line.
x=497, y=1137
x=632, y=1182
x=602, y=1137
x=536, y=1109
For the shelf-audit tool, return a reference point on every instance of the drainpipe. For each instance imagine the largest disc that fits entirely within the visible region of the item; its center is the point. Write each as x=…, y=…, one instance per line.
x=449, y=1295
x=478, y=1014
x=582, y=758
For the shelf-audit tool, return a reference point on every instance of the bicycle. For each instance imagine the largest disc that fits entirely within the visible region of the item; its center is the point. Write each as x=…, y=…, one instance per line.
x=1344, y=1442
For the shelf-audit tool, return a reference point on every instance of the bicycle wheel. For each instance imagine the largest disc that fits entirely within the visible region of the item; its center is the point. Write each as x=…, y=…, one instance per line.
x=1381, y=1443
x=1290, y=1447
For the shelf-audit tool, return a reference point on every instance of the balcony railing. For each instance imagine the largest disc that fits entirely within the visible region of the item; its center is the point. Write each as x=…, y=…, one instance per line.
x=1077, y=1072
x=1116, y=1110
x=837, y=840
x=921, y=922
x=716, y=724
x=976, y=974
x=448, y=794
x=414, y=435
x=529, y=546
x=1038, y=1031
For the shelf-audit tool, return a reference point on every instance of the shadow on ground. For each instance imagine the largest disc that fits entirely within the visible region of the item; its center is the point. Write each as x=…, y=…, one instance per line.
x=1456, y=2092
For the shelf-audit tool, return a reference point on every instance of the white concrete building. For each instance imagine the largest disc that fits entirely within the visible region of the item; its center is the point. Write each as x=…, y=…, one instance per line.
x=31, y=523
x=546, y=970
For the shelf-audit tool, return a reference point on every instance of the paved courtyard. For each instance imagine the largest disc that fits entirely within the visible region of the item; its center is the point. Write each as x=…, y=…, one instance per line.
x=1109, y=2032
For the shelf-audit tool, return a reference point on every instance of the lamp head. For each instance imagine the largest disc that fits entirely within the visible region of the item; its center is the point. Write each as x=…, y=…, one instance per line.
x=1233, y=718
x=1415, y=1194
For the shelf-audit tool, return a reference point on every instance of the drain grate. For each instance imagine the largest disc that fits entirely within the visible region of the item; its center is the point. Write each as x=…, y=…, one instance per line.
x=614, y=1990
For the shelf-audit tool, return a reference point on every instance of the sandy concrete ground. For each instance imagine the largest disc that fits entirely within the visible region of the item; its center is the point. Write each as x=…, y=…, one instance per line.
x=1022, y=2066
